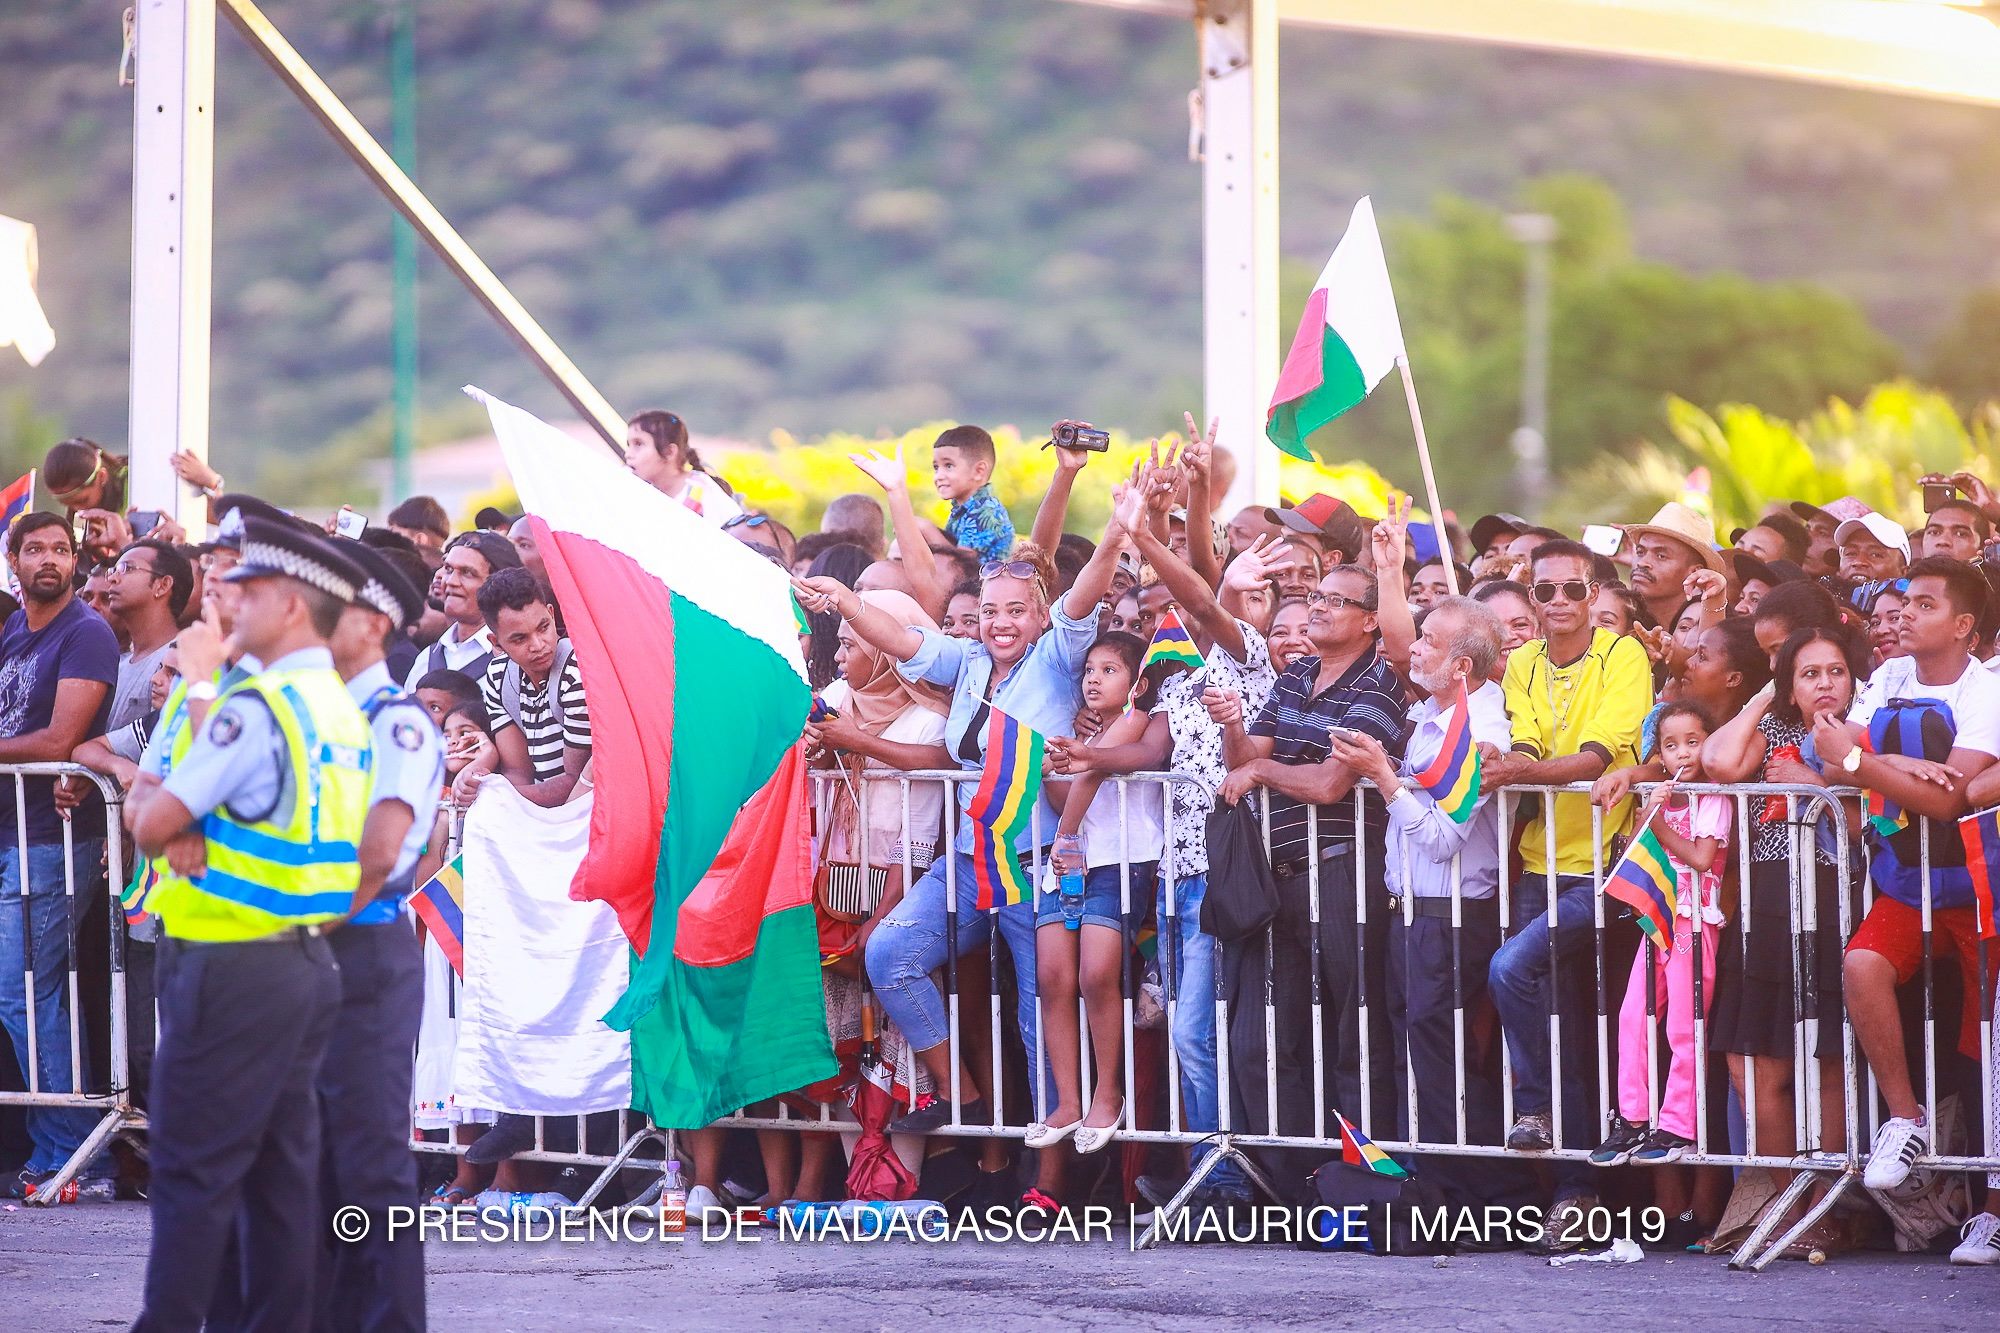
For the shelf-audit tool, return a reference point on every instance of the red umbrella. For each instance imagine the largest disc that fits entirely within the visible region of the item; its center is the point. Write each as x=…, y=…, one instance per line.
x=875, y=1172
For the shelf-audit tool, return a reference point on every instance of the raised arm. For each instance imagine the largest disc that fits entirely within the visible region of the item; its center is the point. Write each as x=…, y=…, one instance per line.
x=1393, y=617
x=871, y=623
x=1094, y=580
x=927, y=582
x=1201, y=503
x=1049, y=518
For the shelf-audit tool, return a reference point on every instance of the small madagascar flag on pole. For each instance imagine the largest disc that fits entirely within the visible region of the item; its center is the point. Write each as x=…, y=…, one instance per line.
x=1981, y=833
x=1646, y=881
x=1172, y=643
x=1003, y=805
x=1452, y=779
x=1357, y=1149
x=440, y=905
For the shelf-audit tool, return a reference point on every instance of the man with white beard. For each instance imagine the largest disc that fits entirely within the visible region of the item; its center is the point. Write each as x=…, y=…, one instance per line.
x=1427, y=849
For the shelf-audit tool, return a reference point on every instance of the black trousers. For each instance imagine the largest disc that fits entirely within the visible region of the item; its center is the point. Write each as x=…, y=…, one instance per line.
x=1344, y=971
x=1423, y=996
x=235, y=1128
x=364, y=1102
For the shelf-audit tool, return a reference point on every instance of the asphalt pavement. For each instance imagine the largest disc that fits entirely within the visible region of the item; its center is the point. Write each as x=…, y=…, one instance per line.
x=82, y=1267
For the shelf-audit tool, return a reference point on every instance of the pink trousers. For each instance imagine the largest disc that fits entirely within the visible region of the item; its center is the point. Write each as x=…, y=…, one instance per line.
x=1673, y=1000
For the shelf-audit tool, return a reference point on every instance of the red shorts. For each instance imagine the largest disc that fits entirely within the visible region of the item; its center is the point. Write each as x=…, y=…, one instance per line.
x=1896, y=931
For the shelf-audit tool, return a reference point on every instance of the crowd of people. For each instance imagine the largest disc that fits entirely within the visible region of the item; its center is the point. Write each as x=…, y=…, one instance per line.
x=1333, y=664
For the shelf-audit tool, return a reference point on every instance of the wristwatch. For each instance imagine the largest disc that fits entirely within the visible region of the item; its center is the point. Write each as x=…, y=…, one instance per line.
x=202, y=691
x=1852, y=763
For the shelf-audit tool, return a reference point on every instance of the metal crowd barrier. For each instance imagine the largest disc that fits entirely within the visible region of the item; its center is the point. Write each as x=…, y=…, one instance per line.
x=1828, y=1150
x=113, y=1104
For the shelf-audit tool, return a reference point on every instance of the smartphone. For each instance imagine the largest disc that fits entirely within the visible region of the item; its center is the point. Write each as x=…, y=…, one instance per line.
x=1937, y=493
x=1602, y=539
x=349, y=524
x=144, y=521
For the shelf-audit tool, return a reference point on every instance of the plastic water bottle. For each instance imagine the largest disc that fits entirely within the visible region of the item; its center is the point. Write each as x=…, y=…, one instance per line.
x=674, y=1199
x=1069, y=878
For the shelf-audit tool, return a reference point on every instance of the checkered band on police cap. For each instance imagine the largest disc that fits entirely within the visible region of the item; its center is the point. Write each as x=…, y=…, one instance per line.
x=271, y=558
x=294, y=551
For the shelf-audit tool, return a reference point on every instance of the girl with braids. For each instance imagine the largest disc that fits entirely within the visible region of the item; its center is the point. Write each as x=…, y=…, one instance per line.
x=658, y=453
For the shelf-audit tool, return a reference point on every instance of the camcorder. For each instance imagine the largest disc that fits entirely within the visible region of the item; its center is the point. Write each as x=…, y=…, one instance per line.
x=1074, y=435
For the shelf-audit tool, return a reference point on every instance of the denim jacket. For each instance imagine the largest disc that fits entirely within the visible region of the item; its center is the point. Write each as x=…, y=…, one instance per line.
x=1042, y=691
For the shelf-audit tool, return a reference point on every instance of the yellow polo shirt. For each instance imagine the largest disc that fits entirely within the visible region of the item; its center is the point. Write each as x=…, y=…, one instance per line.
x=1599, y=702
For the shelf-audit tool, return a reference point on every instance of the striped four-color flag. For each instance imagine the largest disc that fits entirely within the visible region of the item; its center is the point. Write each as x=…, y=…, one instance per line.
x=440, y=905
x=1981, y=833
x=1357, y=1149
x=1645, y=881
x=1002, y=806
x=1172, y=643
x=14, y=501
x=132, y=898
x=1452, y=779
x=1884, y=815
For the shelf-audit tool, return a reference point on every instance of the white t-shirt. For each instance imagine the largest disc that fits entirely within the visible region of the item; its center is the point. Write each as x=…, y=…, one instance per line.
x=1974, y=700
x=882, y=802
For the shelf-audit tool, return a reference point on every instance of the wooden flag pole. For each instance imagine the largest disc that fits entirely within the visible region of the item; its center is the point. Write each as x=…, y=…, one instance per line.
x=1446, y=556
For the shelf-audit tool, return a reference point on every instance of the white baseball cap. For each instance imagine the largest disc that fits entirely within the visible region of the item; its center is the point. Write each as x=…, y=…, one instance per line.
x=1879, y=526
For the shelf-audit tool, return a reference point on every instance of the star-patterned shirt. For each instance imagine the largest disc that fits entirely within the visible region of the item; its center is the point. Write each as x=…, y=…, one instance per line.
x=1198, y=741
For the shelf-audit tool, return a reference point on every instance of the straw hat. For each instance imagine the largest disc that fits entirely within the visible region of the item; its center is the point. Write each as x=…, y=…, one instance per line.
x=1684, y=525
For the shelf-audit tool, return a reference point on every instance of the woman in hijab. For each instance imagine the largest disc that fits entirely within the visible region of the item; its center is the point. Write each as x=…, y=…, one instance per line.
x=870, y=719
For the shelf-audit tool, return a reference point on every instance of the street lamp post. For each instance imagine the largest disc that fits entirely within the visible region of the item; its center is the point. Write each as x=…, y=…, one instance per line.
x=1536, y=232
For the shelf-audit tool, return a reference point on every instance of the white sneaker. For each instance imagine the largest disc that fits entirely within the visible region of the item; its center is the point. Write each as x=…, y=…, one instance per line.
x=1898, y=1145
x=1981, y=1243
x=702, y=1200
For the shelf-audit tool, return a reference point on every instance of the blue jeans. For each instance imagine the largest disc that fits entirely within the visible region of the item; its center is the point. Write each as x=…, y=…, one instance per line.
x=1193, y=976
x=43, y=917
x=911, y=941
x=1525, y=992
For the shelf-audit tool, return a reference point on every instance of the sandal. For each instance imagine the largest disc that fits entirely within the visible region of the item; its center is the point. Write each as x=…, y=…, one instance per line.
x=449, y=1195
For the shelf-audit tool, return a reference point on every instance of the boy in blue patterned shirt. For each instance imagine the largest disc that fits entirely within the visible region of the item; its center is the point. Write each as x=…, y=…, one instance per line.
x=961, y=468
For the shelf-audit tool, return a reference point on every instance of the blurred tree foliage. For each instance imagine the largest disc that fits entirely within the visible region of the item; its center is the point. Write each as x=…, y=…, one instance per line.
x=857, y=215
x=1874, y=452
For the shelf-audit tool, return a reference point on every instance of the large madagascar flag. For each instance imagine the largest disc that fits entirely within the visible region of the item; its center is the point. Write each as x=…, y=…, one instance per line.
x=697, y=692
x=1347, y=341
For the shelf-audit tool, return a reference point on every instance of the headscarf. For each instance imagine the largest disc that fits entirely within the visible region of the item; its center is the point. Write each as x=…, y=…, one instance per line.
x=879, y=693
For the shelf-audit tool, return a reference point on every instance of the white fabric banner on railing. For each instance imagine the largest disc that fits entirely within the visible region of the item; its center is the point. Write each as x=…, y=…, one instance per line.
x=540, y=968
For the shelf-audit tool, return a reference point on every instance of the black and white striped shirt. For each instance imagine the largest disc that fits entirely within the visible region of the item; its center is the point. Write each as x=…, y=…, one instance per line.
x=545, y=735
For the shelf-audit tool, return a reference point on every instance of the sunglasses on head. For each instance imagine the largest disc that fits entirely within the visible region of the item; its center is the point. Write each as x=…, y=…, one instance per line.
x=1016, y=569
x=1574, y=589
x=746, y=521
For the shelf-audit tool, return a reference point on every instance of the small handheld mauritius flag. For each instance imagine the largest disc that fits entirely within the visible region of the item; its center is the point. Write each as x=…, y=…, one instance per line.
x=132, y=898
x=1002, y=806
x=1646, y=881
x=14, y=501
x=1357, y=1149
x=1452, y=779
x=1172, y=643
x=1981, y=834
x=440, y=905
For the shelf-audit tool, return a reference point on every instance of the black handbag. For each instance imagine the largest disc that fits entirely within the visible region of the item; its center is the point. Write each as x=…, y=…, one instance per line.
x=1242, y=896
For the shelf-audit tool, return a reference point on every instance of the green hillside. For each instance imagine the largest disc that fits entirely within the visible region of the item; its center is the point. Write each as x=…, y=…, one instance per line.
x=864, y=214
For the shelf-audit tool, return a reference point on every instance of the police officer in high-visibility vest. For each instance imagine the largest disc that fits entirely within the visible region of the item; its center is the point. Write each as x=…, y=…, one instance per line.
x=377, y=1282
x=260, y=822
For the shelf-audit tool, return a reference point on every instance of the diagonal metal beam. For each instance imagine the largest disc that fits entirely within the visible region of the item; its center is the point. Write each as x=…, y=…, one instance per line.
x=440, y=235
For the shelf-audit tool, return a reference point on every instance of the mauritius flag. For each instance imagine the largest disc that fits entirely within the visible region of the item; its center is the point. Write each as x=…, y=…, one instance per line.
x=14, y=501
x=1348, y=340
x=1002, y=806
x=1645, y=881
x=1981, y=834
x=1357, y=1149
x=1452, y=779
x=1172, y=643
x=440, y=905
x=698, y=837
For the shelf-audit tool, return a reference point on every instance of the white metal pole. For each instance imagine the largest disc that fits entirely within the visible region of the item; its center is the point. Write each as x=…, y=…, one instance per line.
x=1239, y=224
x=173, y=173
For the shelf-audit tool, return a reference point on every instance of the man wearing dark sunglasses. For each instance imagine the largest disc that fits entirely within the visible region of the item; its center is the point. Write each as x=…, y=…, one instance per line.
x=1576, y=699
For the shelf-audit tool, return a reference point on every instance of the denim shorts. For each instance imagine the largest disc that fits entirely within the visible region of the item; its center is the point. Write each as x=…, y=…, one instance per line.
x=1102, y=896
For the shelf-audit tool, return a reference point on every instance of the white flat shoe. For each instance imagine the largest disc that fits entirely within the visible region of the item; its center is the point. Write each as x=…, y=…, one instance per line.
x=1039, y=1135
x=1090, y=1138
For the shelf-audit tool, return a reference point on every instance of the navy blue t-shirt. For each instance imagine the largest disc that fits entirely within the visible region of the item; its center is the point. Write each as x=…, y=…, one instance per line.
x=76, y=645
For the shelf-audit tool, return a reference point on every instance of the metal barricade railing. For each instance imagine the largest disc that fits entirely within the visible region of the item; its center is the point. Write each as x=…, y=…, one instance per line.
x=34, y=901
x=1828, y=1134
